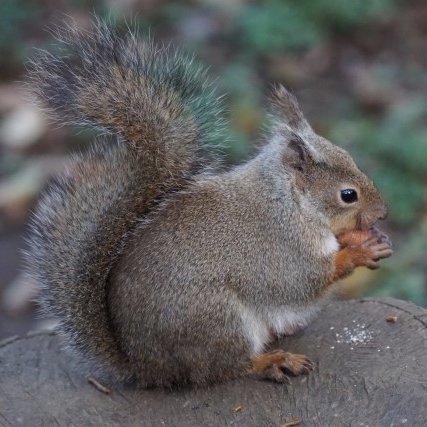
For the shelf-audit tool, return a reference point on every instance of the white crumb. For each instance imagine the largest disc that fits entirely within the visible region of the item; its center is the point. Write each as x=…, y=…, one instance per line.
x=358, y=334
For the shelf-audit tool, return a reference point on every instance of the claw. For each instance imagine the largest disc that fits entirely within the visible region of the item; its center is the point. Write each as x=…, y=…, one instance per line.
x=309, y=364
x=381, y=236
x=276, y=374
x=277, y=364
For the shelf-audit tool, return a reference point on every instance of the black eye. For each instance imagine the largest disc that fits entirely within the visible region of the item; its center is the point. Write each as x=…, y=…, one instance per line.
x=349, y=195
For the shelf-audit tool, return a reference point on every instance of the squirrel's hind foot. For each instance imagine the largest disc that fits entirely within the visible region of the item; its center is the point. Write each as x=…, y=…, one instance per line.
x=278, y=365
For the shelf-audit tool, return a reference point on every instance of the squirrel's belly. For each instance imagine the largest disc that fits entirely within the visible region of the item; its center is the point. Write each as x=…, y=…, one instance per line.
x=260, y=328
x=285, y=320
x=255, y=329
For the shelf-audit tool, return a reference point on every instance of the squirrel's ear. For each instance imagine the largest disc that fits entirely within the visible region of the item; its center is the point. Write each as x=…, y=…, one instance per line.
x=287, y=111
x=295, y=154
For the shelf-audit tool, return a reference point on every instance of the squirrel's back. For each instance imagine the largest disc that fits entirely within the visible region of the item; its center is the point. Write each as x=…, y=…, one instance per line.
x=160, y=113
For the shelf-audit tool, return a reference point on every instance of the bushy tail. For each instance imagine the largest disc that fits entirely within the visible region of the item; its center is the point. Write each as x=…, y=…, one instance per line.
x=161, y=114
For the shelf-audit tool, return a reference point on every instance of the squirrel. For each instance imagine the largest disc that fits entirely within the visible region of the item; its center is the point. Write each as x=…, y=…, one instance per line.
x=163, y=268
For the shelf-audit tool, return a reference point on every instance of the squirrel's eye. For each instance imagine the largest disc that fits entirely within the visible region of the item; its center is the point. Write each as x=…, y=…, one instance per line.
x=349, y=195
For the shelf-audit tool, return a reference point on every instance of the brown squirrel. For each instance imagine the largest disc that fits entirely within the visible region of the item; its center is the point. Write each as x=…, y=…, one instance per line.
x=163, y=269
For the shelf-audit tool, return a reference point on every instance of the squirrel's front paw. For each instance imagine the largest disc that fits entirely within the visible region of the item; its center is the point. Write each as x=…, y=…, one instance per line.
x=366, y=248
x=370, y=252
x=276, y=365
x=360, y=248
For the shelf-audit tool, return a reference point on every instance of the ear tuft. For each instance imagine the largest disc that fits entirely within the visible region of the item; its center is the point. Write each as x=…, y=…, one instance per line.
x=296, y=154
x=285, y=107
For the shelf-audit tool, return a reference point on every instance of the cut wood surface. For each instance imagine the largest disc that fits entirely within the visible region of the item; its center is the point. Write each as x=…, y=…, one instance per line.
x=368, y=372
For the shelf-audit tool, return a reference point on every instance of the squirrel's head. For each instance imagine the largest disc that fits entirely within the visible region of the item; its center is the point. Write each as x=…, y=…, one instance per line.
x=324, y=173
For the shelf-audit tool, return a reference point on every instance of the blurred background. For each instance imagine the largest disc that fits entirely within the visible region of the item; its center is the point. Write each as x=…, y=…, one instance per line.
x=358, y=68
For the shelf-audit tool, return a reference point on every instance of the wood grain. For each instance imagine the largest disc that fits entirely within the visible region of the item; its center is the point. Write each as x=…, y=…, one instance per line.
x=379, y=381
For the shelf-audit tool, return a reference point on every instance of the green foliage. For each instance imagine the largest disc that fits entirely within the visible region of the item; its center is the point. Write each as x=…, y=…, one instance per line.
x=345, y=15
x=240, y=84
x=272, y=26
x=403, y=276
x=14, y=19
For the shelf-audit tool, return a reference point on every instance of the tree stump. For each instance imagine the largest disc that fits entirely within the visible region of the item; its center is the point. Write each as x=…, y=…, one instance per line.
x=369, y=372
